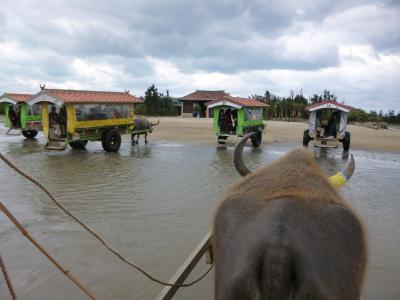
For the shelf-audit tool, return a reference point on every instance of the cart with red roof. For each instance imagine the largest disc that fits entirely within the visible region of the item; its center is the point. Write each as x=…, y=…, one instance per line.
x=20, y=117
x=235, y=117
x=74, y=117
x=327, y=125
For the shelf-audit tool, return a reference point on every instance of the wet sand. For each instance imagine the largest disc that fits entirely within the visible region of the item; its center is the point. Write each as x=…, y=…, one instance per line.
x=155, y=202
x=201, y=131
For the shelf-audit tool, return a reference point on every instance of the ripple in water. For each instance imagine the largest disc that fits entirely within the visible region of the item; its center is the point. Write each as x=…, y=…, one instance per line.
x=155, y=203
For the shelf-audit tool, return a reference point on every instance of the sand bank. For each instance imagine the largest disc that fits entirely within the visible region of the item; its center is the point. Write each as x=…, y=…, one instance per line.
x=200, y=131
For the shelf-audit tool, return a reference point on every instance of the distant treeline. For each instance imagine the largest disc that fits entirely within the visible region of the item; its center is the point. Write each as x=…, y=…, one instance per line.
x=293, y=107
x=359, y=115
x=284, y=108
x=157, y=104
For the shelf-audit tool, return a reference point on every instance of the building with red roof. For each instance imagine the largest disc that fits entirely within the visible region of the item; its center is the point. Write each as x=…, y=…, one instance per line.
x=237, y=102
x=195, y=103
x=60, y=97
x=204, y=101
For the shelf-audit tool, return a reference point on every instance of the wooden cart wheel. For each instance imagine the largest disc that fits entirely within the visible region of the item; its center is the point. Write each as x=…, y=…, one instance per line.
x=111, y=140
x=256, y=139
x=346, y=141
x=78, y=144
x=29, y=134
x=222, y=140
x=306, y=138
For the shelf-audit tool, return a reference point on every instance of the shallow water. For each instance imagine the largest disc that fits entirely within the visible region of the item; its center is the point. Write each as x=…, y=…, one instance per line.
x=155, y=203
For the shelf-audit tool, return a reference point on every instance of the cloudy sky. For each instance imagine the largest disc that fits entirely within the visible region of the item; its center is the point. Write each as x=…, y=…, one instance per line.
x=351, y=47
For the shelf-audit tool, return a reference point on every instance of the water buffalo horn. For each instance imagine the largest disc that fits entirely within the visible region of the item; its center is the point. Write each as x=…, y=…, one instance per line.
x=155, y=124
x=341, y=178
x=337, y=180
x=349, y=169
x=238, y=157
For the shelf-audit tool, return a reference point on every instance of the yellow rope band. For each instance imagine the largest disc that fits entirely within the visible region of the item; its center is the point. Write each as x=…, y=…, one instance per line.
x=337, y=180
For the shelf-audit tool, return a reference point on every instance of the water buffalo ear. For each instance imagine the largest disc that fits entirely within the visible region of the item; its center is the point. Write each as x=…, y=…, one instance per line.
x=341, y=178
x=238, y=155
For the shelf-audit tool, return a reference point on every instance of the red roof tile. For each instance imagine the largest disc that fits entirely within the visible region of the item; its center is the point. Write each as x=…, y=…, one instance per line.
x=245, y=102
x=79, y=96
x=17, y=97
x=214, y=96
x=201, y=95
x=314, y=105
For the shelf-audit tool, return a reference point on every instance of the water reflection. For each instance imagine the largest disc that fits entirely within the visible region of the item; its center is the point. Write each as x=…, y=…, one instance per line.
x=139, y=151
x=155, y=203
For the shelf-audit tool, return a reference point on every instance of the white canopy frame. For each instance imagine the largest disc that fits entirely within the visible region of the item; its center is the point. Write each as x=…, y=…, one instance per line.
x=314, y=120
x=43, y=97
x=8, y=100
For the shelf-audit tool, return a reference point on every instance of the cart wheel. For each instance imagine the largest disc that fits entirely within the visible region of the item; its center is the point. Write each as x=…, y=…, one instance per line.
x=222, y=140
x=111, y=140
x=78, y=144
x=306, y=138
x=346, y=141
x=29, y=134
x=256, y=139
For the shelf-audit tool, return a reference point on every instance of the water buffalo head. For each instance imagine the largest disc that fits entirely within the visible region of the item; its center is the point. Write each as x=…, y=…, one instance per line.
x=337, y=180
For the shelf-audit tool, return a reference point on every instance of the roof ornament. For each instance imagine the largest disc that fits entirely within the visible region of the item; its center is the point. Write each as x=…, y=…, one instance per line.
x=42, y=87
x=127, y=91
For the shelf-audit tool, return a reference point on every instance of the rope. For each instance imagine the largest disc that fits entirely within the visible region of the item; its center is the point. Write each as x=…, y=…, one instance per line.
x=97, y=236
x=41, y=249
x=8, y=281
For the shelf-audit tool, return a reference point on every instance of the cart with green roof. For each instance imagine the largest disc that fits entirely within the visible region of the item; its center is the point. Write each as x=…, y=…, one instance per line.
x=20, y=117
x=234, y=117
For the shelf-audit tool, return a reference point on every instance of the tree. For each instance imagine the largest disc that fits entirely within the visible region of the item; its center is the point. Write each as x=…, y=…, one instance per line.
x=285, y=108
x=293, y=106
x=152, y=100
x=315, y=98
x=357, y=115
x=157, y=104
x=291, y=94
x=166, y=105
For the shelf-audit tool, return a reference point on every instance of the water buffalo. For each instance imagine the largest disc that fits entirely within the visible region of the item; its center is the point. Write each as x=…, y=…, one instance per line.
x=284, y=232
x=142, y=126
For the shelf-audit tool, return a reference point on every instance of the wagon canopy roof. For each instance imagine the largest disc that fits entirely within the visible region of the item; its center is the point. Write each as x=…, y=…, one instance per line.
x=236, y=102
x=14, y=98
x=58, y=96
x=329, y=104
x=204, y=95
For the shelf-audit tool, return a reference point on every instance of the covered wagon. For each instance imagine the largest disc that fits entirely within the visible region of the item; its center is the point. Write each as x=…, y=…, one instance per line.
x=20, y=117
x=235, y=116
x=74, y=117
x=328, y=125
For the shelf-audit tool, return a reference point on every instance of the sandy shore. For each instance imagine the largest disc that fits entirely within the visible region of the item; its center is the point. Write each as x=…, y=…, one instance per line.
x=201, y=131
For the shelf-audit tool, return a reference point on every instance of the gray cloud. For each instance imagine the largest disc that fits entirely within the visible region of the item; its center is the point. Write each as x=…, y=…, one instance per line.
x=50, y=40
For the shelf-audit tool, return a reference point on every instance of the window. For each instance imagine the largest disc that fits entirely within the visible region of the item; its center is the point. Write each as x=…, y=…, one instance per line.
x=34, y=110
x=86, y=112
x=253, y=114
